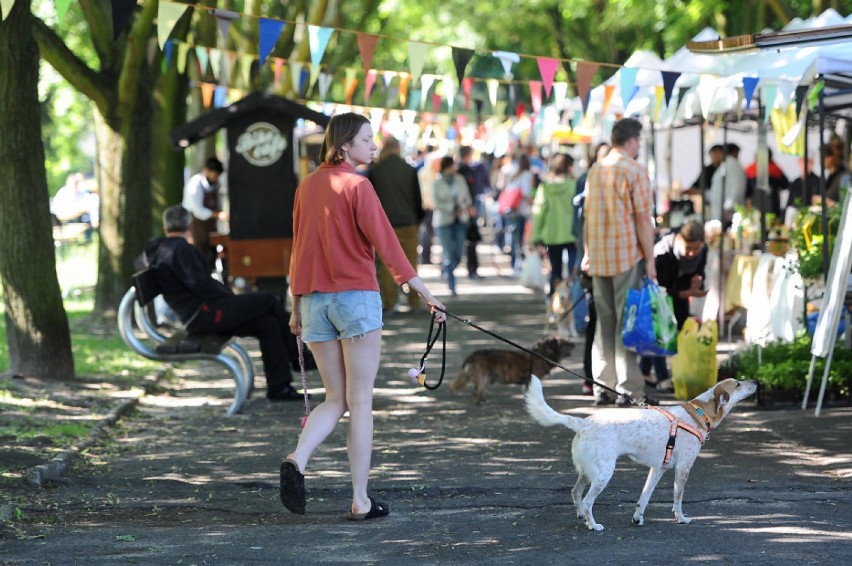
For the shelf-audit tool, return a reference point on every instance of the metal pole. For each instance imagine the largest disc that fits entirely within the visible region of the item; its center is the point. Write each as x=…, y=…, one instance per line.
x=722, y=239
x=822, y=186
x=702, y=179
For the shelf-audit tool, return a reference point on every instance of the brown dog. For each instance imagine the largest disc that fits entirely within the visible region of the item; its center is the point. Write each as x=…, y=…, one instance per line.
x=509, y=366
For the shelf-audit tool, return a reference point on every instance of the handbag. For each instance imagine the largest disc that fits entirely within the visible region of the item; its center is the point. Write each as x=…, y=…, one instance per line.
x=509, y=200
x=650, y=327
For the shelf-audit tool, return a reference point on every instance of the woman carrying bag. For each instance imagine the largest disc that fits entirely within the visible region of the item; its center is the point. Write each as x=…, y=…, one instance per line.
x=450, y=219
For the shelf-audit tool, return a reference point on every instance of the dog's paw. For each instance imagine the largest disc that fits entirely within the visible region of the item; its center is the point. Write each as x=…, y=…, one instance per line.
x=682, y=519
x=596, y=527
x=638, y=519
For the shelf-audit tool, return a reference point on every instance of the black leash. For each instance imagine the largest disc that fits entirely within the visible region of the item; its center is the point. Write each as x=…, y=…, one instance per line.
x=420, y=374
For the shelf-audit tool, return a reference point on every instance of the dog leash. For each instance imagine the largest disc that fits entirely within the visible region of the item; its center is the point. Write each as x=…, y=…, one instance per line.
x=511, y=343
x=418, y=375
x=301, y=348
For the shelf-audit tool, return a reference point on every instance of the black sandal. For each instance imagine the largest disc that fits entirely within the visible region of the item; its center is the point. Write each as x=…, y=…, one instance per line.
x=292, y=487
x=377, y=509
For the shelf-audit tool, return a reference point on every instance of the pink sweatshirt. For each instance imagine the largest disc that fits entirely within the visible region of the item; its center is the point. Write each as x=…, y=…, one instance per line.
x=338, y=225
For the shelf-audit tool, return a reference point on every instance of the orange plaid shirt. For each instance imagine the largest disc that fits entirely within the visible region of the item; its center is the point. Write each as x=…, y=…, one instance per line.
x=618, y=187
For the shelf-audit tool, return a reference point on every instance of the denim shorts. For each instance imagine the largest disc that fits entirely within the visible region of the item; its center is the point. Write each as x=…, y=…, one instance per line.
x=345, y=314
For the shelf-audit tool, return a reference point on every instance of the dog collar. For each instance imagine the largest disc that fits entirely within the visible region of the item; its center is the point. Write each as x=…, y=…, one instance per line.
x=701, y=414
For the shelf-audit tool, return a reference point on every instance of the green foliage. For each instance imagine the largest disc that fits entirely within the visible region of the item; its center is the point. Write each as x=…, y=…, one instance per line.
x=785, y=365
x=808, y=238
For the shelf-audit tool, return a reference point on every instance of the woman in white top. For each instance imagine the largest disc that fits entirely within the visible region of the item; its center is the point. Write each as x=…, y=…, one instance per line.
x=452, y=202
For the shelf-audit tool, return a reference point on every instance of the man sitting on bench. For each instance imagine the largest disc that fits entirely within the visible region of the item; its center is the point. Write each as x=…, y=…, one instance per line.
x=206, y=306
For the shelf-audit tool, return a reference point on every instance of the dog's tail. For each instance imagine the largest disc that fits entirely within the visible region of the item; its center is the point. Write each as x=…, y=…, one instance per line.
x=538, y=408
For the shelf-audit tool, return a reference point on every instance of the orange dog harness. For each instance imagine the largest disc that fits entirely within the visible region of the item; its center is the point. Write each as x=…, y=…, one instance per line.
x=676, y=424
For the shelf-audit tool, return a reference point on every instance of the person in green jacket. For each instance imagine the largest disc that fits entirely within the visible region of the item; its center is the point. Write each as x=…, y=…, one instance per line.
x=553, y=218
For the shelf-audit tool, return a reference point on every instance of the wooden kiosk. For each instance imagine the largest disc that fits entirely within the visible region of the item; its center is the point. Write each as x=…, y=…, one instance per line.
x=265, y=162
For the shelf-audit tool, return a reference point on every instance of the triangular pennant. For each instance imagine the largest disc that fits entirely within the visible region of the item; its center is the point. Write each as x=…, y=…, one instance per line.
x=814, y=93
x=492, y=85
x=324, y=82
x=6, y=7
x=416, y=58
x=224, y=19
x=801, y=93
x=369, y=81
x=202, y=57
x=246, y=62
x=461, y=57
x=749, y=84
x=269, y=30
x=628, y=85
x=560, y=90
x=425, y=84
x=608, y=90
x=768, y=98
x=707, y=86
x=168, y=53
x=547, y=67
x=168, y=13
x=669, y=80
x=207, y=94
x=121, y=12
x=296, y=77
x=304, y=76
x=785, y=93
x=367, y=46
x=228, y=60
x=404, y=79
x=219, y=95
x=415, y=98
x=507, y=58
x=585, y=74
x=535, y=96
x=351, y=83
x=500, y=108
x=436, y=102
x=279, y=65
x=387, y=77
x=215, y=58
x=183, y=51
x=659, y=94
x=318, y=37
x=467, y=85
x=576, y=119
x=449, y=92
x=62, y=9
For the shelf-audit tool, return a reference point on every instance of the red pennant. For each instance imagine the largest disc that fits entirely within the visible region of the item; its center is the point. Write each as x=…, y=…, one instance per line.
x=367, y=46
x=585, y=74
x=535, y=96
x=520, y=108
x=467, y=85
x=436, y=103
x=369, y=82
x=461, y=121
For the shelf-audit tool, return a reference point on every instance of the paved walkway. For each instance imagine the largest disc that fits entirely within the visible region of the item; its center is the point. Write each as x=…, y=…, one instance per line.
x=179, y=483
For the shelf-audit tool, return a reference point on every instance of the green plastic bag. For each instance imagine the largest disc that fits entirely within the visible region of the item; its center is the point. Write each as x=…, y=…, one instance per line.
x=650, y=326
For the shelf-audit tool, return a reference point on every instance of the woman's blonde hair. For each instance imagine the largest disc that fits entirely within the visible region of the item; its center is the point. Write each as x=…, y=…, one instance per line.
x=341, y=130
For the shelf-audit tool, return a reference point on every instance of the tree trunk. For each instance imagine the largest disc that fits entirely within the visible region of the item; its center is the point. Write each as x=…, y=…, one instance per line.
x=36, y=323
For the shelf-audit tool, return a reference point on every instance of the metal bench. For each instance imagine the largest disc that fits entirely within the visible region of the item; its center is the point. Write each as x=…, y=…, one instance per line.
x=134, y=319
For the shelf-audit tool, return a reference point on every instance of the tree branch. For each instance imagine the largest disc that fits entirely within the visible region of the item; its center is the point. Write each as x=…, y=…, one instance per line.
x=99, y=20
x=90, y=83
x=137, y=42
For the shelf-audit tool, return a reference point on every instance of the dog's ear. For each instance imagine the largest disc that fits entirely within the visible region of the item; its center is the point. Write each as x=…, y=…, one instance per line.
x=721, y=399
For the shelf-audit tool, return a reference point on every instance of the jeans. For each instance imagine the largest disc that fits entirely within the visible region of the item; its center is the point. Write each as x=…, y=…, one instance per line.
x=452, y=239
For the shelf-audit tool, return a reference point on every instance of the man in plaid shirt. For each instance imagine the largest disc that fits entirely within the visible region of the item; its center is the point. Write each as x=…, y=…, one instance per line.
x=619, y=237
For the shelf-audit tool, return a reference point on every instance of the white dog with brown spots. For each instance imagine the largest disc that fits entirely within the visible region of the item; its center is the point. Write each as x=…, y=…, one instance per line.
x=649, y=436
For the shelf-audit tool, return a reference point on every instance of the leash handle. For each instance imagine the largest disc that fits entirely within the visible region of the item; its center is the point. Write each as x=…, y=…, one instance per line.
x=301, y=348
x=419, y=374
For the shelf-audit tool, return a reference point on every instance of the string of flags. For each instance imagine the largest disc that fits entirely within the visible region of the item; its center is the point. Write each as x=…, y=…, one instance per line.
x=305, y=76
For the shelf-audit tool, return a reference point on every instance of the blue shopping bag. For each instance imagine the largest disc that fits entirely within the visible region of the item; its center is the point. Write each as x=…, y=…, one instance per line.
x=650, y=327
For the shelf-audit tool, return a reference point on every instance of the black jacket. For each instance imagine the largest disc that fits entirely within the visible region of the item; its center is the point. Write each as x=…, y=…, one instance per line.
x=673, y=278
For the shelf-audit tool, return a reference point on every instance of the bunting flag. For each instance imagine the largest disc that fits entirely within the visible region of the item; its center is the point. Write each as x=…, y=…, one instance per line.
x=425, y=84
x=461, y=57
x=296, y=77
x=507, y=58
x=449, y=92
x=416, y=58
x=669, y=80
x=492, y=85
x=220, y=94
x=576, y=119
x=183, y=49
x=628, y=85
x=608, y=90
x=228, y=66
x=585, y=74
x=659, y=94
x=246, y=62
x=560, y=92
x=547, y=68
x=369, y=82
x=223, y=20
x=324, y=82
x=279, y=64
x=318, y=41
x=269, y=32
x=215, y=58
x=467, y=86
x=6, y=7
x=749, y=84
x=121, y=12
x=436, y=102
x=535, y=96
x=366, y=47
x=768, y=96
x=168, y=13
x=785, y=93
x=351, y=83
x=207, y=94
x=707, y=85
x=168, y=53
x=201, y=56
x=404, y=79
